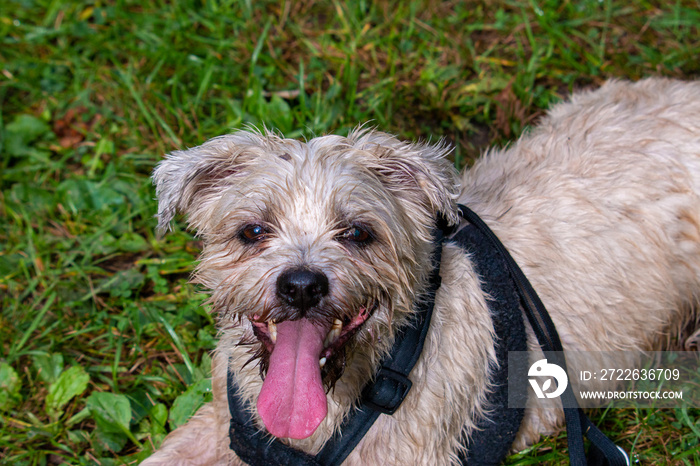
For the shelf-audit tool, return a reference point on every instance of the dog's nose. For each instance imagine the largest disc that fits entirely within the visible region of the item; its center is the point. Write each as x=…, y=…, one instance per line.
x=302, y=288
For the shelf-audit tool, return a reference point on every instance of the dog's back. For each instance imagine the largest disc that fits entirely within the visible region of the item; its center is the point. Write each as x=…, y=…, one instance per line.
x=600, y=206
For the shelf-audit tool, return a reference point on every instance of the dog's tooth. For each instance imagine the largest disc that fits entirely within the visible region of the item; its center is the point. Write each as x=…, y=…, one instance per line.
x=331, y=337
x=322, y=362
x=272, y=328
x=333, y=333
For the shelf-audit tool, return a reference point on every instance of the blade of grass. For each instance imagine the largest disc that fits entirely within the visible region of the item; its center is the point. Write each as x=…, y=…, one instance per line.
x=15, y=349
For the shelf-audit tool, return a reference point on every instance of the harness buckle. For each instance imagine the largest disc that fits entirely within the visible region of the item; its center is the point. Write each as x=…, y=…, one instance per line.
x=387, y=392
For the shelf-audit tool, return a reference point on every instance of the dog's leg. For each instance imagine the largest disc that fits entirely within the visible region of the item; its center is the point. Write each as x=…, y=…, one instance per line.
x=203, y=441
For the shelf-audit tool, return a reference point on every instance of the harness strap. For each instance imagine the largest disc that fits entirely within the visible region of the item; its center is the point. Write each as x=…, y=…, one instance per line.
x=490, y=442
x=604, y=451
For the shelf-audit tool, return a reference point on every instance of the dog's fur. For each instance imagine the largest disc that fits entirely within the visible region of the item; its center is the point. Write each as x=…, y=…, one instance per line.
x=599, y=205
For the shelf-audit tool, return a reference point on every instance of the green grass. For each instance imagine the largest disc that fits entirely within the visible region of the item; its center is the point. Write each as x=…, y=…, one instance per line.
x=100, y=332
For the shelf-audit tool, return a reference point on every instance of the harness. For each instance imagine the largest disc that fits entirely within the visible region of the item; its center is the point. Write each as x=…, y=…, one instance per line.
x=489, y=444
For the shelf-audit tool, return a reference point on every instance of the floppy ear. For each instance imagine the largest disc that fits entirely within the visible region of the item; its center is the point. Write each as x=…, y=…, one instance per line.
x=190, y=180
x=418, y=173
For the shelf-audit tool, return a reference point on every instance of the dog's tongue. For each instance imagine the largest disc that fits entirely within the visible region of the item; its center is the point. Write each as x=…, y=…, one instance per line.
x=292, y=402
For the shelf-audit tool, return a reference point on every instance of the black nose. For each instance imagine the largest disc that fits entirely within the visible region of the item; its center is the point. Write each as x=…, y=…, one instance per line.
x=302, y=288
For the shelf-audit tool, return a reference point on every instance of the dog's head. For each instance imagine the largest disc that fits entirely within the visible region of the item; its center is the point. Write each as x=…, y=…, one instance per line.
x=318, y=249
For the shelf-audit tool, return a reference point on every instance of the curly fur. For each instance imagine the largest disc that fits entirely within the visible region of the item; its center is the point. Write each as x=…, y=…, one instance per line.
x=598, y=204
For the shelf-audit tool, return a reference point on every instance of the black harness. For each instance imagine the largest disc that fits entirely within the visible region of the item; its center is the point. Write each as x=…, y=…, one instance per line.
x=510, y=291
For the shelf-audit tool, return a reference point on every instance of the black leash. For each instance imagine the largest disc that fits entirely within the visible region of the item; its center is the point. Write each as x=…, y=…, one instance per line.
x=490, y=442
x=603, y=451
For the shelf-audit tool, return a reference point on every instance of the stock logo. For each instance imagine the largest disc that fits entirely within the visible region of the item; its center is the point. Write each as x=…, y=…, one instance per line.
x=543, y=369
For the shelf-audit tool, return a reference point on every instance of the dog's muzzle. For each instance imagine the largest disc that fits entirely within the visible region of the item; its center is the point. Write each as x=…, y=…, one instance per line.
x=301, y=289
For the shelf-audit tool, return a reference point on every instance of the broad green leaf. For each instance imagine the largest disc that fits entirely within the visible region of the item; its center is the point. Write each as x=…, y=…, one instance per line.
x=80, y=195
x=132, y=242
x=22, y=131
x=49, y=366
x=154, y=425
x=189, y=402
x=112, y=414
x=78, y=436
x=9, y=386
x=159, y=414
x=70, y=383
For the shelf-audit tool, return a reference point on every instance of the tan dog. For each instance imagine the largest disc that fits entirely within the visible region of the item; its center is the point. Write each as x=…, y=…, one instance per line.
x=315, y=253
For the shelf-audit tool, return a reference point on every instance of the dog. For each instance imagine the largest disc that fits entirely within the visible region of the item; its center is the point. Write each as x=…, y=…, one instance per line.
x=316, y=253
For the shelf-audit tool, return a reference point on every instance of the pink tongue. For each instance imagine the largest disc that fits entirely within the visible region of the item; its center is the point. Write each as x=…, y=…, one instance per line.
x=292, y=402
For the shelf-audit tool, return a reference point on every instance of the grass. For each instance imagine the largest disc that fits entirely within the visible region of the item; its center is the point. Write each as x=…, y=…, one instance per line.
x=103, y=343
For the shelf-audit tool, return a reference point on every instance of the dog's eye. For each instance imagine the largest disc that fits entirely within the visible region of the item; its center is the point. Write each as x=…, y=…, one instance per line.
x=356, y=234
x=253, y=233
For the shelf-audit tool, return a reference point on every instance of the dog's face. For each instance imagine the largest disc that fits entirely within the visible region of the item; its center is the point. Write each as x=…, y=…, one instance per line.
x=318, y=250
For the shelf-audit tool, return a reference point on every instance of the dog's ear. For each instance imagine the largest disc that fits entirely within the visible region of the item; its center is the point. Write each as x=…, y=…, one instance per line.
x=418, y=173
x=189, y=180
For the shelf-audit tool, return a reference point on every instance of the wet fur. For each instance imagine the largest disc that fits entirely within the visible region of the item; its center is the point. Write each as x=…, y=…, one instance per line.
x=598, y=204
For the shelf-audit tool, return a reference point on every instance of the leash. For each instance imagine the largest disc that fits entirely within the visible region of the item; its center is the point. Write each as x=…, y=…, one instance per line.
x=603, y=451
x=391, y=385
